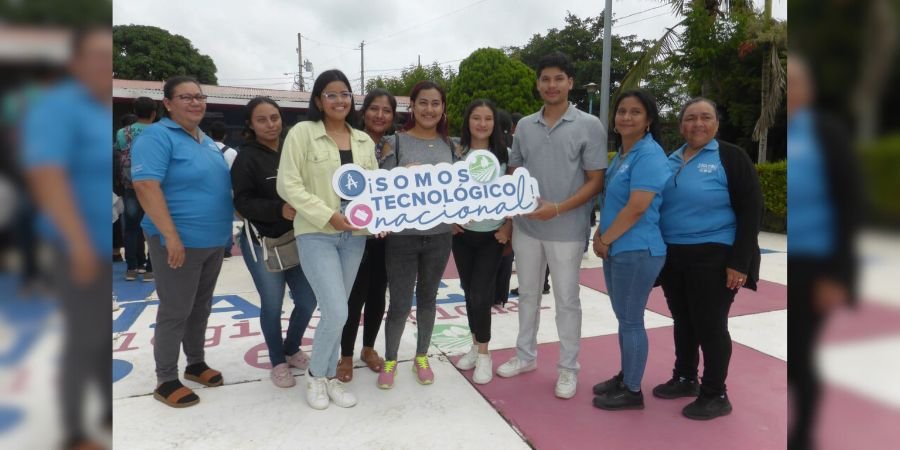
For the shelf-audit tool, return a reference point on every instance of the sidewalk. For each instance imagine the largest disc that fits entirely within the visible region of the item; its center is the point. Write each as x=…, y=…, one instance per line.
x=522, y=412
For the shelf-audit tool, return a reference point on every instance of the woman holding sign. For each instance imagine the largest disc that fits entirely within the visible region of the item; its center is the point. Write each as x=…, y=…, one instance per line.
x=330, y=246
x=630, y=241
x=371, y=279
x=416, y=255
x=478, y=246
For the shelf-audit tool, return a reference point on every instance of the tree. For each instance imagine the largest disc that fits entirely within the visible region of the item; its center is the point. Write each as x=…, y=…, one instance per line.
x=582, y=40
x=772, y=36
x=151, y=53
x=55, y=12
x=489, y=73
x=403, y=84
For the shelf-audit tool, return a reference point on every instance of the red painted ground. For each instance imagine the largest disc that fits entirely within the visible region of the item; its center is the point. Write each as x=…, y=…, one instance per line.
x=866, y=321
x=768, y=297
x=849, y=421
x=757, y=389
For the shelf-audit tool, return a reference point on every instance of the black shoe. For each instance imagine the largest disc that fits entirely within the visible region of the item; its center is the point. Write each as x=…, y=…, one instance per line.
x=677, y=387
x=228, y=254
x=619, y=399
x=707, y=407
x=608, y=385
x=546, y=289
x=514, y=292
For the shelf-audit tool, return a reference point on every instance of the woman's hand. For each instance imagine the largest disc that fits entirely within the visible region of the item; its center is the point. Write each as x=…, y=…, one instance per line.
x=600, y=249
x=288, y=212
x=734, y=279
x=456, y=229
x=504, y=233
x=341, y=223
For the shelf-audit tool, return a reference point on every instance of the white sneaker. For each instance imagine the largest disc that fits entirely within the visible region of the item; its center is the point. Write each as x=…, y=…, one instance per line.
x=116, y=306
x=516, y=366
x=467, y=362
x=338, y=395
x=281, y=376
x=317, y=392
x=484, y=369
x=566, y=384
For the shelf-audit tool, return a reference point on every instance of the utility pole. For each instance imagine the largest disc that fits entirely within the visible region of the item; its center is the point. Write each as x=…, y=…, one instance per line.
x=362, y=68
x=607, y=59
x=300, y=61
x=420, y=60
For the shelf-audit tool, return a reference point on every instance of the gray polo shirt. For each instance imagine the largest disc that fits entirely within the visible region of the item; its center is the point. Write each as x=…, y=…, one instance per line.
x=557, y=157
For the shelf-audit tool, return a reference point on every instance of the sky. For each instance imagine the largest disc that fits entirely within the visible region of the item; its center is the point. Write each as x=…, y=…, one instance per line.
x=254, y=43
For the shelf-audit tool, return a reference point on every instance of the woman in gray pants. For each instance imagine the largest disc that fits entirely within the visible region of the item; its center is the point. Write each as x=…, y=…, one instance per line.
x=416, y=254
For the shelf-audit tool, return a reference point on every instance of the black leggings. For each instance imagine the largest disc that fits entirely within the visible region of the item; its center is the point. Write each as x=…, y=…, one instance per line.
x=368, y=289
x=477, y=256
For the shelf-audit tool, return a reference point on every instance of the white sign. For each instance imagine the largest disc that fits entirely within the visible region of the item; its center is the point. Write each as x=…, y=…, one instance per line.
x=421, y=197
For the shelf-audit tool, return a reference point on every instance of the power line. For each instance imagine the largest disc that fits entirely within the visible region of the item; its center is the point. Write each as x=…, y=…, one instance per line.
x=641, y=20
x=342, y=47
x=426, y=22
x=641, y=12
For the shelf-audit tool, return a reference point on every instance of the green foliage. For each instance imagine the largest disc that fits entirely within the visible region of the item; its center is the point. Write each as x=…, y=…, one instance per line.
x=880, y=162
x=773, y=181
x=489, y=73
x=77, y=13
x=582, y=40
x=151, y=53
x=402, y=85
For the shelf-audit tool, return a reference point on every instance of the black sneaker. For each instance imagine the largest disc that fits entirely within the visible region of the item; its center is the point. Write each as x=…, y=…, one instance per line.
x=677, y=387
x=514, y=292
x=707, y=407
x=619, y=399
x=546, y=289
x=608, y=385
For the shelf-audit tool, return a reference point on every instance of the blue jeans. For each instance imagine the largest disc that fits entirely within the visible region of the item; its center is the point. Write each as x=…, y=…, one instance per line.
x=629, y=279
x=270, y=286
x=331, y=262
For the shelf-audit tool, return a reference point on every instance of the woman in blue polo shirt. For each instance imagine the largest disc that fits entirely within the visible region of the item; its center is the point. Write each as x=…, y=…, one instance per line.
x=630, y=242
x=710, y=221
x=183, y=184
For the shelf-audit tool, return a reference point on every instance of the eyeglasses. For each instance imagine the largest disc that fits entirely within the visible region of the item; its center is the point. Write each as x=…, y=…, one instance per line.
x=201, y=98
x=334, y=96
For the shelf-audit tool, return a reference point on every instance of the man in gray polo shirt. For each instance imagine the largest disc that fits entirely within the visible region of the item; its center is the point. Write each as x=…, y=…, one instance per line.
x=565, y=150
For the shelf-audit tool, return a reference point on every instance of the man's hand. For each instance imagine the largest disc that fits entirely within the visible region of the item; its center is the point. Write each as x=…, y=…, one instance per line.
x=288, y=212
x=175, y=249
x=544, y=211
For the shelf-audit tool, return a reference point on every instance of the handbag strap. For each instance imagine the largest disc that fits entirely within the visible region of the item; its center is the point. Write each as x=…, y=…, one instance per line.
x=248, y=226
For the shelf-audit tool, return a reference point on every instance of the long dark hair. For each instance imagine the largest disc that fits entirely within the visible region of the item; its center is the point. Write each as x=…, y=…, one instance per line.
x=370, y=97
x=443, y=124
x=649, y=103
x=497, y=140
x=248, y=133
x=314, y=113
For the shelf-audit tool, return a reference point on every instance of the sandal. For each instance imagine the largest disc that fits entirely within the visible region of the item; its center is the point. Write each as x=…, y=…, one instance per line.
x=345, y=369
x=201, y=373
x=371, y=358
x=175, y=394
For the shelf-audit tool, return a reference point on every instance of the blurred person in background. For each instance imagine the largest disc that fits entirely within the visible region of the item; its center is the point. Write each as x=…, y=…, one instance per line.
x=824, y=197
x=710, y=219
x=135, y=251
x=184, y=186
x=66, y=142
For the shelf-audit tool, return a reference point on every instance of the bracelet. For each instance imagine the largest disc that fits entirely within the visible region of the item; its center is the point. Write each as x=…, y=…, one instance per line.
x=557, y=209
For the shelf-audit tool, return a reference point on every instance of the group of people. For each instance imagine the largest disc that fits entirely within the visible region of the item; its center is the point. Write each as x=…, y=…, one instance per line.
x=688, y=221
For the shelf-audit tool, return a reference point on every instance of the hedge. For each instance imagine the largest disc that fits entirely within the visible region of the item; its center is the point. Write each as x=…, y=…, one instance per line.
x=881, y=166
x=773, y=181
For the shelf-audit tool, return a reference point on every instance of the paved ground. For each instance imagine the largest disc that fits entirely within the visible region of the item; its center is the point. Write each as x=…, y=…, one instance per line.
x=249, y=412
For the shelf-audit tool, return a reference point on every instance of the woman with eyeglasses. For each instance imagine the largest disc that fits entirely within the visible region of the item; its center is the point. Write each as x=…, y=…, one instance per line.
x=183, y=184
x=416, y=259
x=710, y=218
x=330, y=247
x=371, y=280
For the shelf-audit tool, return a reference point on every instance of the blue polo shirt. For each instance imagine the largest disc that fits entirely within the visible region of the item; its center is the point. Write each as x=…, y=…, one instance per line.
x=644, y=168
x=811, y=229
x=195, y=181
x=69, y=128
x=696, y=206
